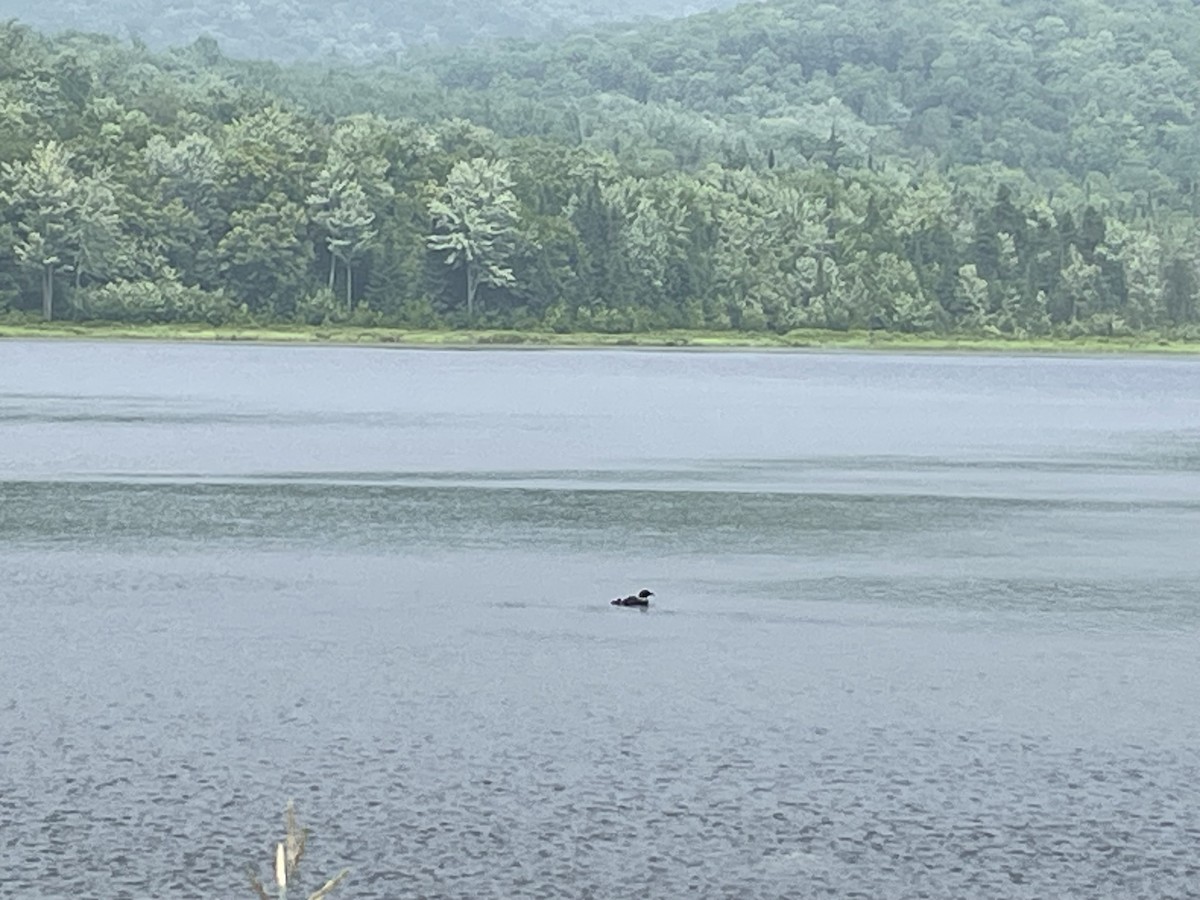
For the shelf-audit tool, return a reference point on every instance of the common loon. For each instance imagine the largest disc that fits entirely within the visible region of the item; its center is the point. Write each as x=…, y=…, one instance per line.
x=642, y=598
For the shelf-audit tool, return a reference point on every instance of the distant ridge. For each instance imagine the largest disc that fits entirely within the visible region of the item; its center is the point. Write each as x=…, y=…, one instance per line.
x=354, y=31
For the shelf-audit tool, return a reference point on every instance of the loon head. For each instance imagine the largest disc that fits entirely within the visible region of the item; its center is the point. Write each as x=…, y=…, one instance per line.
x=643, y=593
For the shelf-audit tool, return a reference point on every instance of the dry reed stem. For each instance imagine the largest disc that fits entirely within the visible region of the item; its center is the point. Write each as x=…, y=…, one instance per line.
x=287, y=862
x=328, y=887
x=257, y=885
x=294, y=840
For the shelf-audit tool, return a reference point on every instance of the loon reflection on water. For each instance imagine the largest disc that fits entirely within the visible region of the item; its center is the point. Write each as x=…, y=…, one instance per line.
x=641, y=598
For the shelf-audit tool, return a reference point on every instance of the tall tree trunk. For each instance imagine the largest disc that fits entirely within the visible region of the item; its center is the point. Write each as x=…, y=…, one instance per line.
x=349, y=288
x=332, y=269
x=48, y=293
x=472, y=287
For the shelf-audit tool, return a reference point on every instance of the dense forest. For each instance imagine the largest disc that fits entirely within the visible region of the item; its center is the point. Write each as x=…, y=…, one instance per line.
x=354, y=30
x=980, y=167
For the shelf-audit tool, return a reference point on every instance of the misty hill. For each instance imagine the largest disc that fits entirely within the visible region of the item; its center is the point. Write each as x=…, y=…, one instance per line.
x=354, y=30
x=1100, y=94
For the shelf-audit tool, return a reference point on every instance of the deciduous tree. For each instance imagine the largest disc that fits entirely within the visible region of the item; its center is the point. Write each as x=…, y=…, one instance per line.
x=474, y=219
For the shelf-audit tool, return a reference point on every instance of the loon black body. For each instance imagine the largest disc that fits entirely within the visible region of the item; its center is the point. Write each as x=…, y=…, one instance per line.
x=641, y=598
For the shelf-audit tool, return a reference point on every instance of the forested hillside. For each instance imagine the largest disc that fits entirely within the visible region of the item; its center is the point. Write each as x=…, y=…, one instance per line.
x=948, y=167
x=1096, y=96
x=355, y=30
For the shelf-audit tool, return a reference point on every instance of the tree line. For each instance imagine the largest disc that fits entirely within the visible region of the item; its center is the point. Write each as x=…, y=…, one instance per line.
x=175, y=187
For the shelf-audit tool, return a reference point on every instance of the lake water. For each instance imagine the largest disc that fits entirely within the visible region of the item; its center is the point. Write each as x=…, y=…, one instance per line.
x=925, y=626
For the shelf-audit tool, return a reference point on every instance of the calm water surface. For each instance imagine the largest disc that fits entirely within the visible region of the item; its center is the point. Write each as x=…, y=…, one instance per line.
x=926, y=626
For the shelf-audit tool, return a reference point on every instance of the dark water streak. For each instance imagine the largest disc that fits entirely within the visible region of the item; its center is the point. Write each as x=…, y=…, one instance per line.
x=927, y=626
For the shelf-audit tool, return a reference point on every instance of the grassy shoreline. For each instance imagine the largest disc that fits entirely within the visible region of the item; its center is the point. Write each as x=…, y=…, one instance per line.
x=696, y=340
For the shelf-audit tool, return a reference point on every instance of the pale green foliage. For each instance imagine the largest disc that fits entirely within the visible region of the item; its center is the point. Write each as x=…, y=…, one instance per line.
x=1140, y=255
x=971, y=298
x=338, y=205
x=189, y=178
x=161, y=300
x=358, y=150
x=912, y=311
x=264, y=256
x=319, y=307
x=190, y=170
x=831, y=308
x=63, y=222
x=772, y=257
x=46, y=195
x=475, y=224
x=268, y=151
x=654, y=232
x=346, y=192
x=1079, y=287
x=23, y=124
x=101, y=249
x=926, y=206
x=117, y=134
x=889, y=286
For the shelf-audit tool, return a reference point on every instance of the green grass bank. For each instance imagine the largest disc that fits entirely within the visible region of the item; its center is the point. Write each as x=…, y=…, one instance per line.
x=402, y=337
